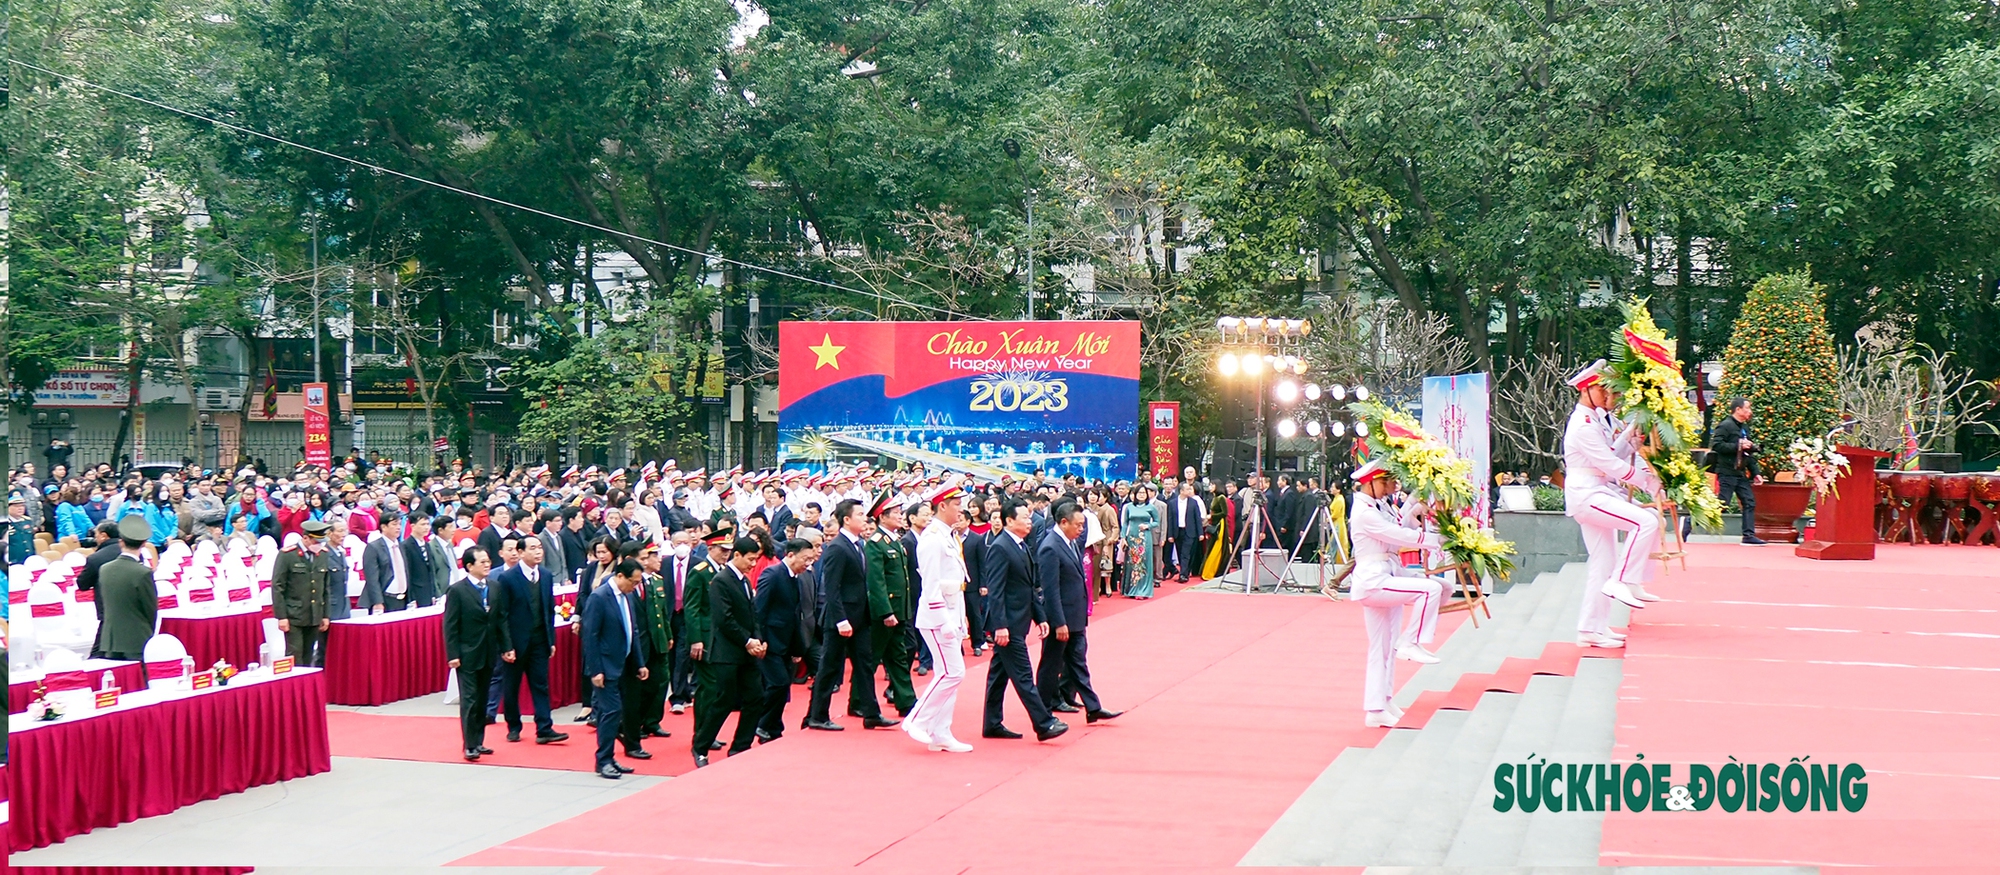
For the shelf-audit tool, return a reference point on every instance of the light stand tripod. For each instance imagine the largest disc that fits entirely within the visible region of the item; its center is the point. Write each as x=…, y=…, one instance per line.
x=1251, y=534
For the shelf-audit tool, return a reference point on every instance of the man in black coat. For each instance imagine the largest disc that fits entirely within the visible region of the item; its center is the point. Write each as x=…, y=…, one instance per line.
x=86, y=580
x=732, y=660
x=523, y=599
x=1733, y=457
x=844, y=630
x=424, y=587
x=779, y=616
x=473, y=638
x=1185, y=518
x=1011, y=603
x=1066, y=599
x=614, y=657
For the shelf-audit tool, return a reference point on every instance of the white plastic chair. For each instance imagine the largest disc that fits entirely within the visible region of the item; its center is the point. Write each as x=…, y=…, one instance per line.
x=166, y=663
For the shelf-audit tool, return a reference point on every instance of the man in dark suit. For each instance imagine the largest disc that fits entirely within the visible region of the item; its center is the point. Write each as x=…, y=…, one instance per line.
x=385, y=574
x=1185, y=518
x=1066, y=597
x=843, y=580
x=614, y=657
x=500, y=522
x=1733, y=457
x=1280, y=509
x=524, y=601
x=732, y=667
x=1011, y=604
x=417, y=563
x=473, y=636
x=86, y=580
x=779, y=616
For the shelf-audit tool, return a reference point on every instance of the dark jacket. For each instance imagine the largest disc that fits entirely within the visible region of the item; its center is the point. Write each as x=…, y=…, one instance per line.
x=337, y=605
x=604, y=648
x=732, y=617
x=1725, y=455
x=1065, y=596
x=298, y=585
x=1011, y=599
x=473, y=633
x=131, y=606
x=888, y=579
x=417, y=563
x=657, y=609
x=378, y=569
x=778, y=614
x=843, y=580
x=521, y=606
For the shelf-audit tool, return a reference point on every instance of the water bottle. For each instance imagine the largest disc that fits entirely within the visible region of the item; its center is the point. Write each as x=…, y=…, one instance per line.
x=110, y=683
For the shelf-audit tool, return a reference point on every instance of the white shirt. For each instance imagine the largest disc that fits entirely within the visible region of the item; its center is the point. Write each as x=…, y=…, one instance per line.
x=1380, y=534
x=941, y=571
x=1593, y=463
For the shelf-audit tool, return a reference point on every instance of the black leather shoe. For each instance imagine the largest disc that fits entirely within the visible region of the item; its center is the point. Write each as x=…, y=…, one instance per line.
x=659, y=733
x=824, y=725
x=855, y=712
x=1065, y=708
x=715, y=745
x=1753, y=539
x=471, y=756
x=513, y=735
x=765, y=736
x=878, y=722
x=485, y=749
x=1094, y=716
x=610, y=772
x=701, y=761
x=622, y=768
x=552, y=738
x=1050, y=730
x=639, y=754
x=592, y=720
x=998, y=732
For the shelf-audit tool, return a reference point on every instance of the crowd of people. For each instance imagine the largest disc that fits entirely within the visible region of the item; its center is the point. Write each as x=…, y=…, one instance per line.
x=718, y=593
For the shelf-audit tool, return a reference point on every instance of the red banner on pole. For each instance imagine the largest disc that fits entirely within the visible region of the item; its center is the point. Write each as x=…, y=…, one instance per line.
x=319, y=428
x=1163, y=425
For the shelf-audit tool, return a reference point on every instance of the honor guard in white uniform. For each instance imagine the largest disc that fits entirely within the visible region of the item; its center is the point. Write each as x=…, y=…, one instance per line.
x=940, y=621
x=1383, y=587
x=1600, y=466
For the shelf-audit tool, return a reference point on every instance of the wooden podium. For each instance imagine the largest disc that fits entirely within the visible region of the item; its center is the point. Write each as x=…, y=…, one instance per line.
x=1844, y=527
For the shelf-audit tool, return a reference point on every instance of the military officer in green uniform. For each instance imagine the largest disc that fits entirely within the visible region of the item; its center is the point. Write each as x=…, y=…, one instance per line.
x=125, y=588
x=888, y=602
x=657, y=613
x=298, y=592
x=694, y=611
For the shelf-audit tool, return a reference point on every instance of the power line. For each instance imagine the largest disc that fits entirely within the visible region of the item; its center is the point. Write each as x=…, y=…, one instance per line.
x=476, y=195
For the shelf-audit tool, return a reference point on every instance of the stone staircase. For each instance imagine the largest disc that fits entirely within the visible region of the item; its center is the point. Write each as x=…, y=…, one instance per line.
x=1423, y=795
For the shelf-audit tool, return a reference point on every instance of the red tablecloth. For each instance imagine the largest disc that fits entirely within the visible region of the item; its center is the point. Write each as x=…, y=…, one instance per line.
x=234, y=637
x=130, y=676
x=375, y=663
x=85, y=772
x=565, y=670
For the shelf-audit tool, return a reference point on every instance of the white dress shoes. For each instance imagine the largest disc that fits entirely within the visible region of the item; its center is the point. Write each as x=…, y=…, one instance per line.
x=1589, y=639
x=1618, y=590
x=922, y=737
x=1380, y=720
x=951, y=745
x=1416, y=653
x=1639, y=589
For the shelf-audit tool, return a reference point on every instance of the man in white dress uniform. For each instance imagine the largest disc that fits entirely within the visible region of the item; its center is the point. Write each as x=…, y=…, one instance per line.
x=1600, y=467
x=1383, y=587
x=941, y=621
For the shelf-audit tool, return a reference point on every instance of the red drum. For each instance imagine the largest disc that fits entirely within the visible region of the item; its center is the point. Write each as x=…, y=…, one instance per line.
x=1910, y=485
x=1986, y=487
x=1952, y=487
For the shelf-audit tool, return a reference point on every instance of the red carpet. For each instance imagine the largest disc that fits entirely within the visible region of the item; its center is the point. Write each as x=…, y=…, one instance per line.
x=1893, y=664
x=1235, y=704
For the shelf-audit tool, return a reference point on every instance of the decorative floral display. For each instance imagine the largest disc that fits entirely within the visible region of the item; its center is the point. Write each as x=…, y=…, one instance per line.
x=1816, y=462
x=1654, y=399
x=1430, y=471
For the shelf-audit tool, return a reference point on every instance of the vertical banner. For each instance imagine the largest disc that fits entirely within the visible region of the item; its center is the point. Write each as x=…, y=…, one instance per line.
x=1164, y=425
x=982, y=398
x=319, y=430
x=139, y=435
x=1455, y=410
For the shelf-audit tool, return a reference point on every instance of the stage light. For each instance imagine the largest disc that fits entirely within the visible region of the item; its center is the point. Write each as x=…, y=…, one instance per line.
x=1253, y=364
x=1287, y=428
x=1361, y=394
x=1312, y=428
x=1227, y=364
x=1295, y=327
x=1299, y=366
x=1338, y=392
x=1305, y=327
x=1312, y=391
x=1337, y=429
x=1361, y=428
x=1715, y=378
x=1287, y=392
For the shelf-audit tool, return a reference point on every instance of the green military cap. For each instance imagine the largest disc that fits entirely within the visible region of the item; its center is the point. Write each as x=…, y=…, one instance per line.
x=135, y=528
x=315, y=528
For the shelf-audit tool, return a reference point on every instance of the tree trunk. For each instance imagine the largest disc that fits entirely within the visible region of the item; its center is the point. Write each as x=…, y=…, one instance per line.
x=1683, y=293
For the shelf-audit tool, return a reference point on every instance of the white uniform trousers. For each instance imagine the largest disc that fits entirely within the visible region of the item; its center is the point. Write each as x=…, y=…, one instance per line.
x=1382, y=613
x=1629, y=562
x=932, y=714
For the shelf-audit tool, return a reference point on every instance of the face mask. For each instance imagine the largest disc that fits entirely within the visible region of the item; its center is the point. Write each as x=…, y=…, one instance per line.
x=681, y=551
x=461, y=523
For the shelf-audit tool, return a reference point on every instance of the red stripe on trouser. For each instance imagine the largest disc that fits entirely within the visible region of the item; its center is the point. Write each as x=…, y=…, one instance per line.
x=937, y=649
x=1624, y=566
x=1423, y=619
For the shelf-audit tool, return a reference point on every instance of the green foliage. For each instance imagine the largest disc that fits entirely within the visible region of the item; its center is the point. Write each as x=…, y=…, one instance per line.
x=1781, y=358
x=1550, y=498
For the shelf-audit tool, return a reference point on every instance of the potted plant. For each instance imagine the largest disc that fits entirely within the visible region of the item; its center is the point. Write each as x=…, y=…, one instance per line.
x=1781, y=357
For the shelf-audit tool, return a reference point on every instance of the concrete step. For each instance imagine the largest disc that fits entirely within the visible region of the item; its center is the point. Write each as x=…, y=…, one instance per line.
x=1585, y=735
x=1425, y=827
x=1471, y=650
x=1493, y=838
x=1384, y=804
x=1310, y=832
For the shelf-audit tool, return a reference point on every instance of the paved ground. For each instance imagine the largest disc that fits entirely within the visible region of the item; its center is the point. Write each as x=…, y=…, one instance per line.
x=363, y=813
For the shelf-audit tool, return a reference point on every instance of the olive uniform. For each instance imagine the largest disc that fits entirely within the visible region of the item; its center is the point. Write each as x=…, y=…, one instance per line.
x=657, y=614
x=298, y=596
x=889, y=595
